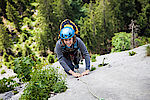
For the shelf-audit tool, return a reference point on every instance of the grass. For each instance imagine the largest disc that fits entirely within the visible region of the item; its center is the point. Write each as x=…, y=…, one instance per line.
x=93, y=58
x=132, y=53
x=148, y=50
x=3, y=71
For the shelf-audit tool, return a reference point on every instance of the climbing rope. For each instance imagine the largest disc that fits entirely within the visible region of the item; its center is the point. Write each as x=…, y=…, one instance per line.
x=89, y=88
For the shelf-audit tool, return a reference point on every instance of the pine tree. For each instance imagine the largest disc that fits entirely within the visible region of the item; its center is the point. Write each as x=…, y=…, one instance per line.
x=143, y=18
x=5, y=40
x=123, y=11
x=63, y=10
x=97, y=26
x=48, y=28
x=13, y=15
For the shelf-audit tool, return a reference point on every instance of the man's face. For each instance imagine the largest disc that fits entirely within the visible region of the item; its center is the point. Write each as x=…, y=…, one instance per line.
x=68, y=42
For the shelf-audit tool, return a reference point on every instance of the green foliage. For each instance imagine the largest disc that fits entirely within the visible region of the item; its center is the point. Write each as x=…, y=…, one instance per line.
x=23, y=67
x=96, y=27
x=143, y=19
x=26, y=50
x=5, y=57
x=1, y=66
x=132, y=53
x=93, y=58
x=48, y=26
x=50, y=58
x=42, y=83
x=103, y=63
x=123, y=11
x=10, y=58
x=3, y=71
x=121, y=41
x=23, y=37
x=13, y=15
x=22, y=50
x=59, y=87
x=141, y=41
x=148, y=50
x=5, y=40
x=18, y=50
x=93, y=68
x=7, y=84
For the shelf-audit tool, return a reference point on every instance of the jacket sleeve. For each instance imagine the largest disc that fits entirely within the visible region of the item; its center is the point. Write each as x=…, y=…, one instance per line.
x=60, y=57
x=85, y=53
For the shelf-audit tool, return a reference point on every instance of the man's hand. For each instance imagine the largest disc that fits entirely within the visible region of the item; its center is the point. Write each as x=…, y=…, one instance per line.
x=85, y=73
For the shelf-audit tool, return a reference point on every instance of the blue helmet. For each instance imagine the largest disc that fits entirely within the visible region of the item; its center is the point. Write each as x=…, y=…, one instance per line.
x=66, y=33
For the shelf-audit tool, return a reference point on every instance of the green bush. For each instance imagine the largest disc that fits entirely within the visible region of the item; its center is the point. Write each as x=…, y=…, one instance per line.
x=50, y=58
x=7, y=85
x=93, y=58
x=0, y=66
x=141, y=41
x=42, y=83
x=121, y=41
x=3, y=71
x=10, y=58
x=93, y=68
x=23, y=37
x=132, y=53
x=18, y=50
x=26, y=50
x=148, y=50
x=5, y=57
x=23, y=67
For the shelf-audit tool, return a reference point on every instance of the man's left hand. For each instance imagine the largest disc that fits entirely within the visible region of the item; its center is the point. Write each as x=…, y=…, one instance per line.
x=85, y=73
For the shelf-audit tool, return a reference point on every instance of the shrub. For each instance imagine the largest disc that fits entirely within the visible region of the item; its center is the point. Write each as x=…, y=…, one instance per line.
x=93, y=68
x=93, y=58
x=26, y=50
x=42, y=83
x=50, y=58
x=5, y=57
x=18, y=50
x=23, y=67
x=141, y=41
x=7, y=85
x=121, y=41
x=10, y=58
x=148, y=50
x=0, y=66
x=23, y=37
x=3, y=71
x=132, y=53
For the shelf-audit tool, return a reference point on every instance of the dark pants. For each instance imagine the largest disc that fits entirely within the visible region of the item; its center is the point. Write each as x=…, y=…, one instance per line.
x=73, y=58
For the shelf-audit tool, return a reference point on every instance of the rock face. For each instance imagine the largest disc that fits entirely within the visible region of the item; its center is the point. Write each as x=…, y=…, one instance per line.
x=124, y=78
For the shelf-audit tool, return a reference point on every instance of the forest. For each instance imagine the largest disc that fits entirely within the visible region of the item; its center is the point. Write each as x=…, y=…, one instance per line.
x=29, y=29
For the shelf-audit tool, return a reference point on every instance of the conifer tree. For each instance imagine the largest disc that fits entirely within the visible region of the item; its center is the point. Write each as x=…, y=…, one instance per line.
x=63, y=10
x=96, y=26
x=143, y=18
x=5, y=40
x=47, y=34
x=13, y=15
x=123, y=11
